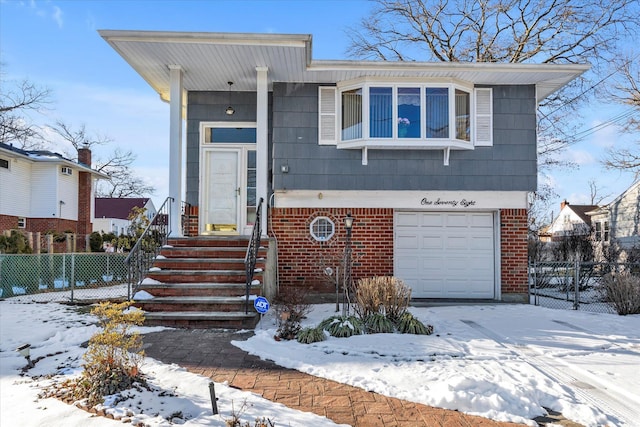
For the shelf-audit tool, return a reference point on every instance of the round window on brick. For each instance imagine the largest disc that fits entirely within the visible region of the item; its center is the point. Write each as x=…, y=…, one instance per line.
x=322, y=229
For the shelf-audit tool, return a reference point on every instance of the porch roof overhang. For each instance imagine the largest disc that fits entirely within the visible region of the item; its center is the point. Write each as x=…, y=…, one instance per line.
x=210, y=60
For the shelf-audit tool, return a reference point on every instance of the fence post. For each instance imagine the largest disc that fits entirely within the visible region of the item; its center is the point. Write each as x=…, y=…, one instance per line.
x=576, y=287
x=72, y=275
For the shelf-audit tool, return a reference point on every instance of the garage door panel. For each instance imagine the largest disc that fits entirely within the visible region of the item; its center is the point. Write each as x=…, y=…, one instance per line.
x=405, y=241
x=446, y=254
x=406, y=219
x=432, y=220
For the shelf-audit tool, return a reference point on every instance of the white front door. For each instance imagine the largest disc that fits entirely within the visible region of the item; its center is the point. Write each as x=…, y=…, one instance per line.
x=221, y=190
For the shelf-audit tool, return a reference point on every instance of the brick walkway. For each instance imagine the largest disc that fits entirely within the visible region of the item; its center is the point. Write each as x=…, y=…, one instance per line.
x=210, y=353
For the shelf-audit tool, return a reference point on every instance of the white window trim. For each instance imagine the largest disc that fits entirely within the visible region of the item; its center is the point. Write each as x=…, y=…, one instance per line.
x=22, y=222
x=8, y=160
x=321, y=238
x=481, y=114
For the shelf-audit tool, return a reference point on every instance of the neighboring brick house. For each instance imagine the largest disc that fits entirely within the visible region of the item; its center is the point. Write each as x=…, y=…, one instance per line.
x=112, y=214
x=433, y=160
x=42, y=191
x=573, y=220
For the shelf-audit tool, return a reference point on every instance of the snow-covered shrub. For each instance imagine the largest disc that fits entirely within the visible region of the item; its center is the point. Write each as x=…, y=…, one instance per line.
x=622, y=292
x=342, y=326
x=112, y=361
x=378, y=323
x=310, y=335
x=383, y=294
x=408, y=324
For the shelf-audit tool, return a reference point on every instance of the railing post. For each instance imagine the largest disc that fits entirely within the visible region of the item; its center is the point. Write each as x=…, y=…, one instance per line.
x=72, y=278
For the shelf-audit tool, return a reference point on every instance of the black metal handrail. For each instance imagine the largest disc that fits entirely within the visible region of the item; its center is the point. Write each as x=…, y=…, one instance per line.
x=252, y=253
x=147, y=247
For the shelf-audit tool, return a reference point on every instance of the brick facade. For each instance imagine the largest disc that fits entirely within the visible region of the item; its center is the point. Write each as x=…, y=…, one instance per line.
x=84, y=193
x=514, y=257
x=302, y=260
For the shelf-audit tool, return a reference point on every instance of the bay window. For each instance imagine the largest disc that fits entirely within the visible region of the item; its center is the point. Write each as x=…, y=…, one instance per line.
x=374, y=114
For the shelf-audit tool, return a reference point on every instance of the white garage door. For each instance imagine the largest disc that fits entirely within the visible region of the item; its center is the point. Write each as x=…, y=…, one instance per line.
x=445, y=254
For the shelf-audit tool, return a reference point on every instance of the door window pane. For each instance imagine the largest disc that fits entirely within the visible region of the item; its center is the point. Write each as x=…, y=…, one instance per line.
x=251, y=187
x=437, y=112
x=352, y=114
x=380, y=112
x=230, y=135
x=409, y=112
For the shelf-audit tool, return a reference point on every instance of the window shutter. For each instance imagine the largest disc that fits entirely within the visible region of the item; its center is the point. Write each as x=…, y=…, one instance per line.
x=327, y=118
x=484, y=117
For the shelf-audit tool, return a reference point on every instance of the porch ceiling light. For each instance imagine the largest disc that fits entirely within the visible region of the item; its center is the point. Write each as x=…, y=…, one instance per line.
x=230, y=110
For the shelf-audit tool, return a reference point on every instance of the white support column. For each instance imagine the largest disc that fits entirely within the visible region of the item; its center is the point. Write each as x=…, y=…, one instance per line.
x=262, y=142
x=175, y=148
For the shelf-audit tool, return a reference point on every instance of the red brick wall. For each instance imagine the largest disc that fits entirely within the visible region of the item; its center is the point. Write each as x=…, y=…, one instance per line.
x=513, y=246
x=8, y=222
x=190, y=221
x=302, y=260
x=84, y=193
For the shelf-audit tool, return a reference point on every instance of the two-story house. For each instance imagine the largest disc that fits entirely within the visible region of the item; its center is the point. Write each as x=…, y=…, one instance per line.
x=573, y=220
x=112, y=214
x=433, y=161
x=618, y=222
x=42, y=191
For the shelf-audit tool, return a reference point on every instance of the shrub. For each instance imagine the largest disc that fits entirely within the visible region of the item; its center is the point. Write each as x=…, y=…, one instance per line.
x=112, y=361
x=95, y=242
x=292, y=306
x=384, y=294
x=342, y=326
x=408, y=324
x=310, y=335
x=14, y=243
x=622, y=292
x=378, y=323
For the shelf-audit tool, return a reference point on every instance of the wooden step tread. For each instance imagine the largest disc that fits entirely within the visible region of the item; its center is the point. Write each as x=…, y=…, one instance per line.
x=195, y=285
x=196, y=299
x=199, y=315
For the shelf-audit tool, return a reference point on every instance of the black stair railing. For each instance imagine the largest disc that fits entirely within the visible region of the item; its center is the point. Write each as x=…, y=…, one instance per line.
x=252, y=253
x=147, y=247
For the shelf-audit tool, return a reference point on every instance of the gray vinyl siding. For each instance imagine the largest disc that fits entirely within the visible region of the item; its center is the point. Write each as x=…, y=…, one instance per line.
x=510, y=165
x=624, y=223
x=210, y=107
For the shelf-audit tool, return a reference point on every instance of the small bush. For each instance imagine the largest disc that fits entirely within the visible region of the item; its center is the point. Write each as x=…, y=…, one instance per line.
x=408, y=324
x=112, y=361
x=378, y=323
x=14, y=243
x=95, y=242
x=292, y=306
x=342, y=327
x=310, y=335
x=386, y=295
x=622, y=292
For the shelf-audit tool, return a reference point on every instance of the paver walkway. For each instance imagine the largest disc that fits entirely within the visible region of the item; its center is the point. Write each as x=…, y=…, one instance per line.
x=210, y=353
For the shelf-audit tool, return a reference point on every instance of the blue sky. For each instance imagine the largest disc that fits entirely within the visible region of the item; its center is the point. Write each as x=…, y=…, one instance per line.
x=55, y=44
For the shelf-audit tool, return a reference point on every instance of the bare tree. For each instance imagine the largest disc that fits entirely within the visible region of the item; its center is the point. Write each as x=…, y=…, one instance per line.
x=595, y=193
x=118, y=165
x=17, y=99
x=508, y=31
x=626, y=91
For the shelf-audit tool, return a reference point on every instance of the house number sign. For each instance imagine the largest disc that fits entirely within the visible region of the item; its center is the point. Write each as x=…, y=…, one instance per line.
x=465, y=203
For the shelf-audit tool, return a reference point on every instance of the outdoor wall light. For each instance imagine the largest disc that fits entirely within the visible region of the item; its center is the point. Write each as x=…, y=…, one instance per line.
x=348, y=222
x=230, y=110
x=24, y=352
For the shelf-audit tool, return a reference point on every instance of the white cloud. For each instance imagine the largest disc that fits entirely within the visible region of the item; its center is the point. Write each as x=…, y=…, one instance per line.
x=57, y=16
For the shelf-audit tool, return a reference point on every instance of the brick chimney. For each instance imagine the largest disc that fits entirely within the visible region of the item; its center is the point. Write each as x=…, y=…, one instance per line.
x=84, y=192
x=563, y=204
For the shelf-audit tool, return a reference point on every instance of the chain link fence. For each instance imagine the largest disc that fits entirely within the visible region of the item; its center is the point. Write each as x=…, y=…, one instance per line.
x=574, y=285
x=71, y=277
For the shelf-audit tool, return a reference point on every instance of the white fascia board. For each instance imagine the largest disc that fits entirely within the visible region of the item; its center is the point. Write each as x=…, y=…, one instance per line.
x=412, y=200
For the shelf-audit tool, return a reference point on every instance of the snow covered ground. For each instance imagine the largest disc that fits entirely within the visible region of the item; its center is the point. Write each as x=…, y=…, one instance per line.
x=504, y=362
